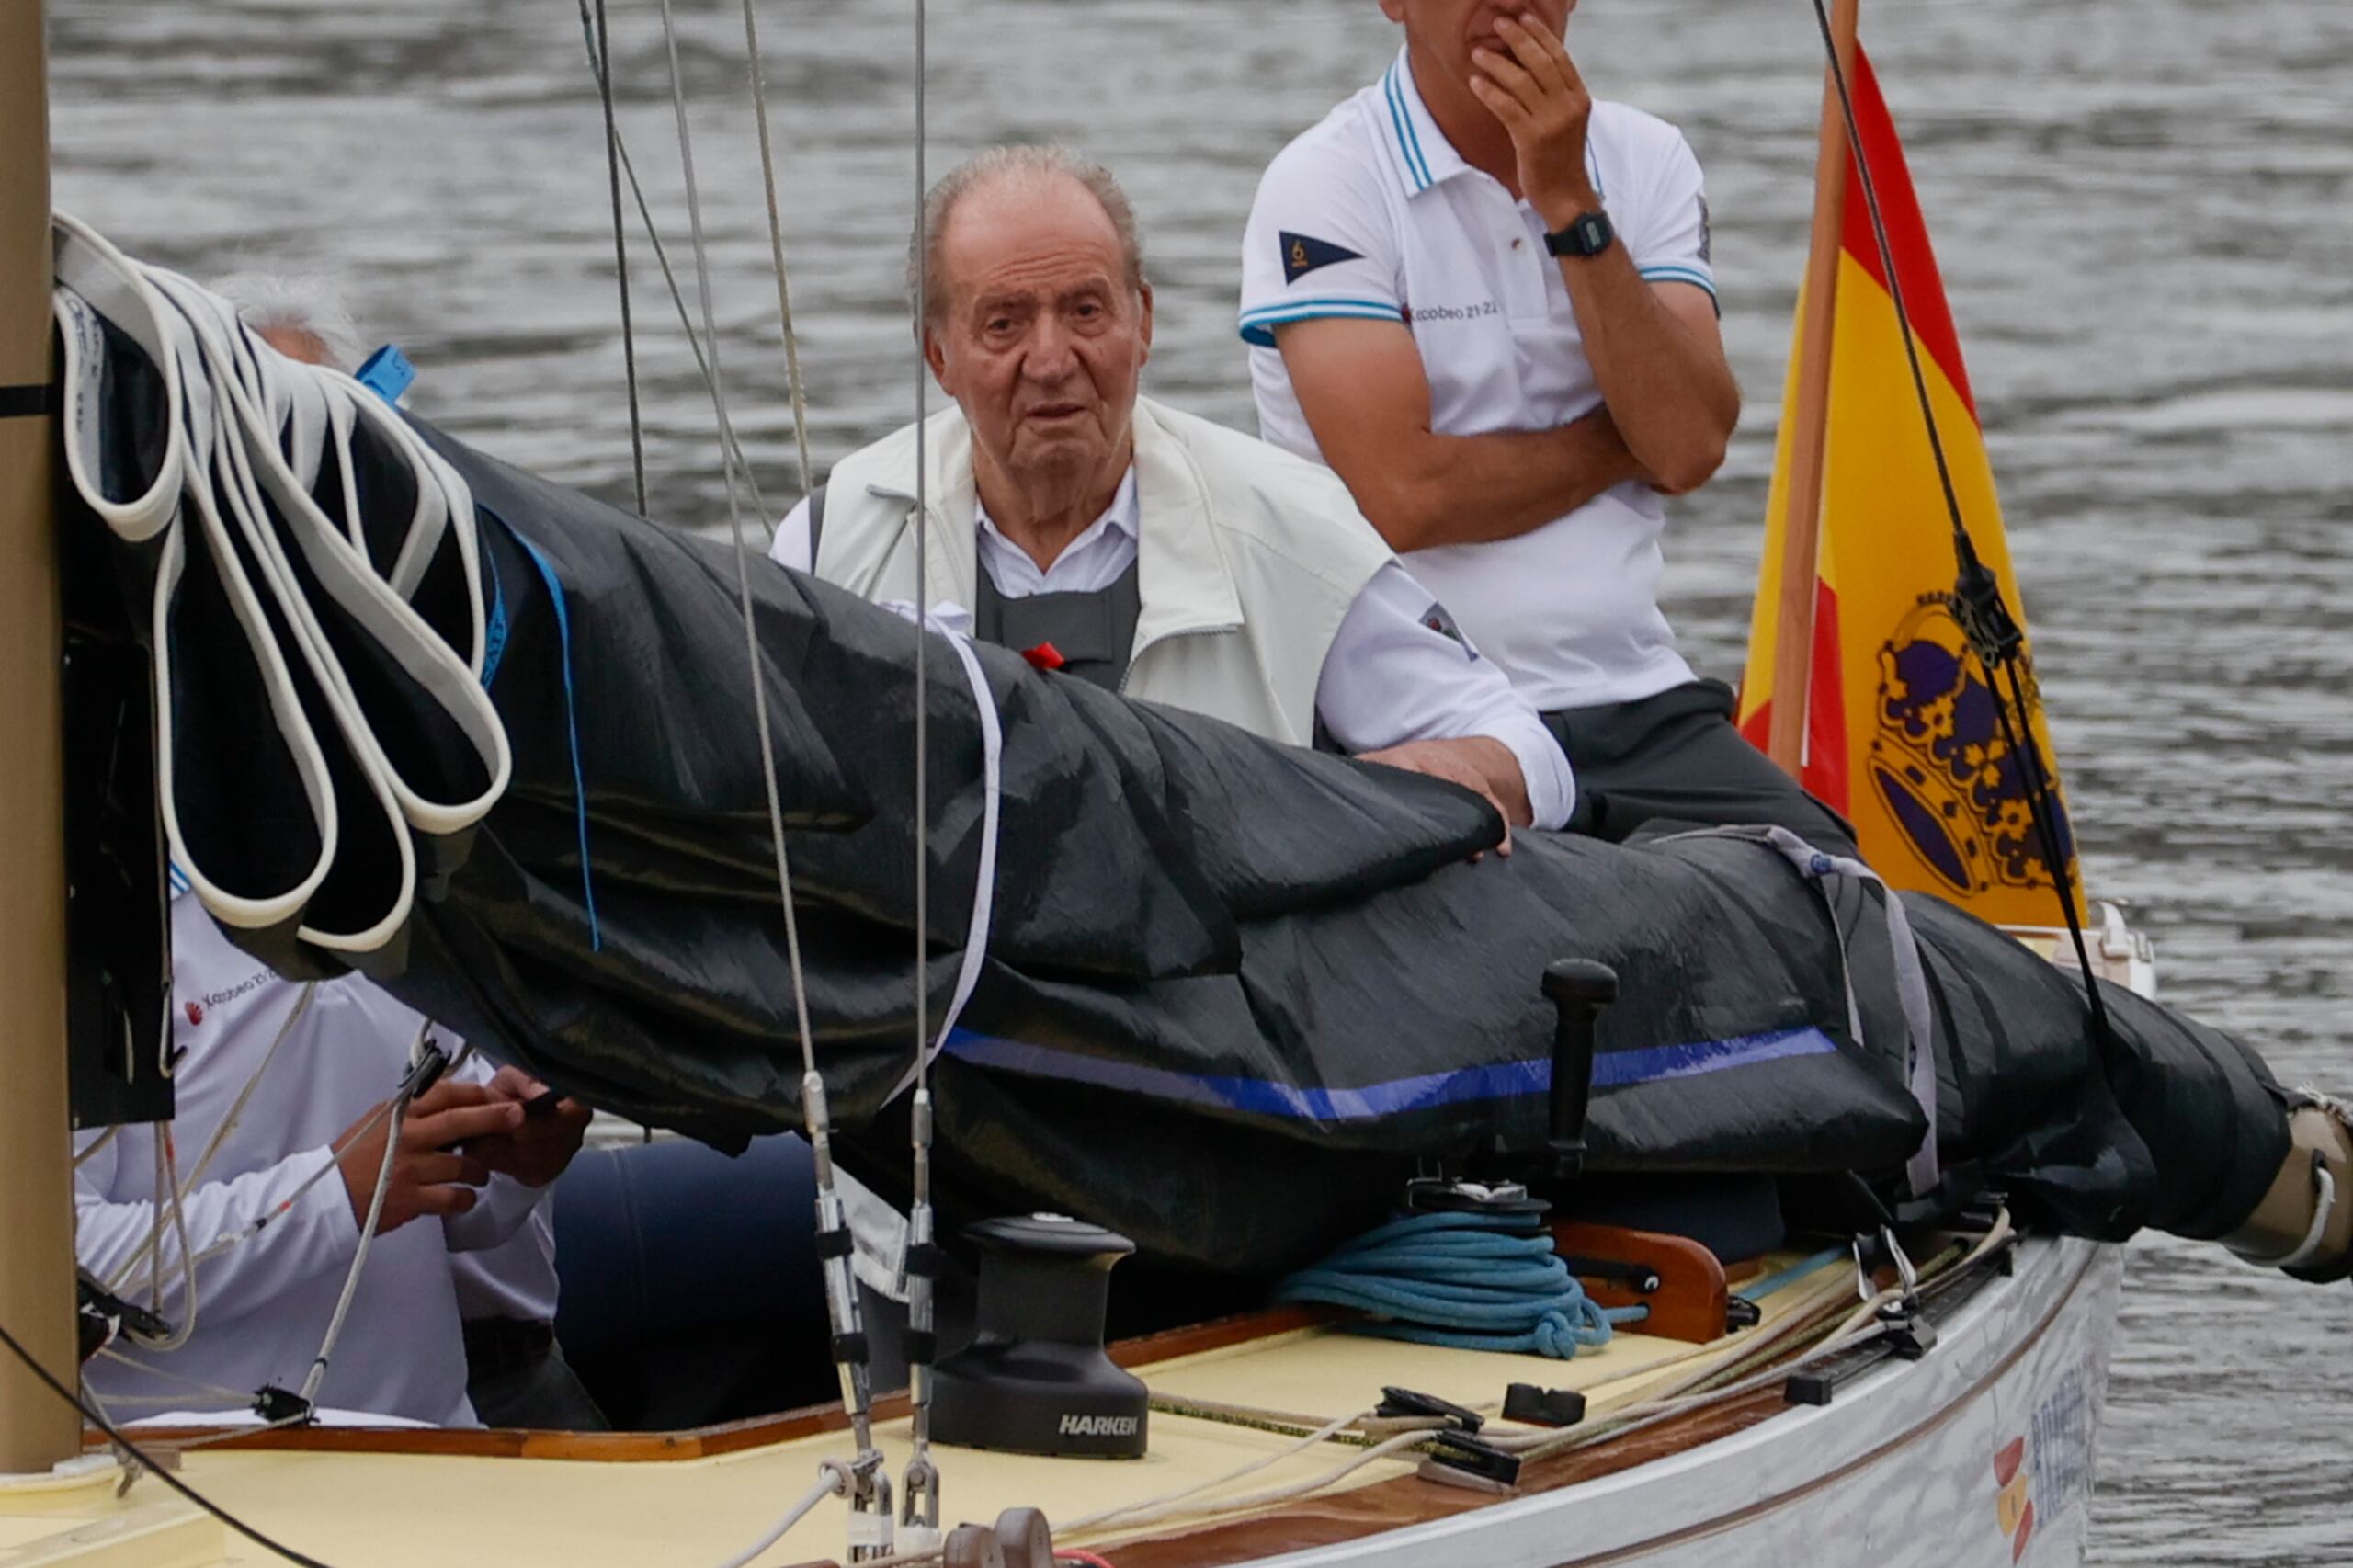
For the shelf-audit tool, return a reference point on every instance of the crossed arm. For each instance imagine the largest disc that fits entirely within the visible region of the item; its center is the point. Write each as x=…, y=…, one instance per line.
x=1669, y=405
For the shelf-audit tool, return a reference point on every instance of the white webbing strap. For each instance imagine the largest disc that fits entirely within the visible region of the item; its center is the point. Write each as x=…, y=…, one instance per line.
x=1922, y=1171
x=953, y=622
x=247, y=436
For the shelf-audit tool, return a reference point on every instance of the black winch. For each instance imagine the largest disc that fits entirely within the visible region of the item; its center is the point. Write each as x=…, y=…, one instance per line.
x=1035, y=1380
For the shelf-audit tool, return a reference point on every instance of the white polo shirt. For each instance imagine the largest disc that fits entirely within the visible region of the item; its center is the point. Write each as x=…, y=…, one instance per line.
x=1373, y=214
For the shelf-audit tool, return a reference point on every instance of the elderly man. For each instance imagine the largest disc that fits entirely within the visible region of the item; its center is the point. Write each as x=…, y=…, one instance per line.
x=1485, y=299
x=1123, y=542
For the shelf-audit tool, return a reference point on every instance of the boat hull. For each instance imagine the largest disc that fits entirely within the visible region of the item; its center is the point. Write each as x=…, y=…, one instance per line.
x=1979, y=1456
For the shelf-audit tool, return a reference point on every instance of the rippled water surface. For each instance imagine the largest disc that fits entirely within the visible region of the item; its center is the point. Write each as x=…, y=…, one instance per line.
x=2145, y=210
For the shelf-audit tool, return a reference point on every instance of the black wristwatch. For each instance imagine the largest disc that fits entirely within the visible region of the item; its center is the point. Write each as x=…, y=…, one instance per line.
x=1586, y=235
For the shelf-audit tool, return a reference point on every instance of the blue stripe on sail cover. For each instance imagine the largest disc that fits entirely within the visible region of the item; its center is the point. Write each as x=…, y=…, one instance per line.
x=1500, y=1080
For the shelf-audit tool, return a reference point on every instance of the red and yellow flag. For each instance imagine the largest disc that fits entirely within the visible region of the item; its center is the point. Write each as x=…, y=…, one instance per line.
x=1901, y=734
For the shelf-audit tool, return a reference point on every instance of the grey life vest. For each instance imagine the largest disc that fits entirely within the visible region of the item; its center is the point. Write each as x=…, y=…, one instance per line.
x=1093, y=633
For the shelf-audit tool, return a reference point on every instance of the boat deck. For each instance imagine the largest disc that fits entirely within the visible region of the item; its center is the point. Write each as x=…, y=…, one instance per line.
x=360, y=1497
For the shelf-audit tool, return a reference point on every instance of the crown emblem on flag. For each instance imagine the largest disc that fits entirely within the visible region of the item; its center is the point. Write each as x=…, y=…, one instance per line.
x=1942, y=766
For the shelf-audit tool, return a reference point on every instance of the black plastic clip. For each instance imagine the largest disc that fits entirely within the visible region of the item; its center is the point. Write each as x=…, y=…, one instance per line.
x=1398, y=1403
x=1907, y=1330
x=1741, y=1312
x=1461, y=1451
x=1542, y=1406
x=1985, y=620
x=116, y=1315
x=280, y=1407
x=426, y=1070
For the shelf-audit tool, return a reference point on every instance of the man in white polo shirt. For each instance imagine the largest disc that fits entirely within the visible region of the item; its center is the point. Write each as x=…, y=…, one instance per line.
x=1485, y=300
x=1126, y=543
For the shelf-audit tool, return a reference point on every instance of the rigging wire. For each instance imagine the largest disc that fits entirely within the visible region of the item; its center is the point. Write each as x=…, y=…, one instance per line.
x=1992, y=631
x=863, y=1482
x=600, y=57
x=141, y=1458
x=168, y=1156
x=793, y=388
x=678, y=302
x=124, y=1446
x=368, y=1230
x=919, y=1261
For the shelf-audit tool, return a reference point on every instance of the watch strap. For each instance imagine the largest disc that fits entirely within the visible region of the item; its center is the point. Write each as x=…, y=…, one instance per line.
x=1587, y=234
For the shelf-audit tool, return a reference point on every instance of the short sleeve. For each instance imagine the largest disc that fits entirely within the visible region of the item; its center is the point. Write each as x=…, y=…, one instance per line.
x=1666, y=228
x=1319, y=243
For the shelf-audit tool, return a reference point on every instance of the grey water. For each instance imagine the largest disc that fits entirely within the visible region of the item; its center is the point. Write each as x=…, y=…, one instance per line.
x=2144, y=213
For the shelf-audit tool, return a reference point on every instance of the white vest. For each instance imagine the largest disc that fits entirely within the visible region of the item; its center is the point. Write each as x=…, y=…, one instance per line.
x=1248, y=557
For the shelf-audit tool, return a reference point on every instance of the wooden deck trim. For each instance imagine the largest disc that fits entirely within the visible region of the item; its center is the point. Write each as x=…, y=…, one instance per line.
x=693, y=1443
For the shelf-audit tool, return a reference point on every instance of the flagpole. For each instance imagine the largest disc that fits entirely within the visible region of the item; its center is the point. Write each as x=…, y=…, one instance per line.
x=36, y=1429
x=1809, y=413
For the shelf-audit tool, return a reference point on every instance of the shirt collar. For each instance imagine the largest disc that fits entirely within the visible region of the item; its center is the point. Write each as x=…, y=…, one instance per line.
x=1120, y=517
x=1422, y=154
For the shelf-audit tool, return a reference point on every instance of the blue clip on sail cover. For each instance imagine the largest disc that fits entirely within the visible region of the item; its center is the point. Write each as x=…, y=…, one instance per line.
x=387, y=373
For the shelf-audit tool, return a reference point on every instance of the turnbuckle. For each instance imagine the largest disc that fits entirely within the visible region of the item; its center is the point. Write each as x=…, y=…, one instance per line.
x=919, y=1505
x=866, y=1486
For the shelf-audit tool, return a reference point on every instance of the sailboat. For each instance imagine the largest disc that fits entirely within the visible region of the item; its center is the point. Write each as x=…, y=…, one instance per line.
x=1939, y=1406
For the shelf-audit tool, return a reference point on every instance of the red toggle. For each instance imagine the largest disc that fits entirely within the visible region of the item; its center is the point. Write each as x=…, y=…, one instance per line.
x=1044, y=656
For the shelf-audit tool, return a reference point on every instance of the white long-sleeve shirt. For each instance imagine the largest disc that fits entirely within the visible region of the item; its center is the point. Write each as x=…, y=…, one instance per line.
x=1397, y=670
x=263, y=1306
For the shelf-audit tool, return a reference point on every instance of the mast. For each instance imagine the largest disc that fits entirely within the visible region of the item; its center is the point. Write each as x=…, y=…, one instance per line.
x=37, y=1430
x=1793, y=631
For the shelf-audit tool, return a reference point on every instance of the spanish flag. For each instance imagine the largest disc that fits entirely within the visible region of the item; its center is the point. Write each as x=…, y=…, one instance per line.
x=1901, y=732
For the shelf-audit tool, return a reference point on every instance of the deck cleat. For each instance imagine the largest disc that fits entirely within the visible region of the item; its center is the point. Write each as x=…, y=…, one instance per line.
x=1462, y=1460
x=1533, y=1405
x=1407, y=1404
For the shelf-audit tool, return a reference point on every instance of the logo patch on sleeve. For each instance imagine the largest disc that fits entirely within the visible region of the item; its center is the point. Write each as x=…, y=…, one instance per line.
x=1303, y=254
x=1438, y=620
x=1706, y=237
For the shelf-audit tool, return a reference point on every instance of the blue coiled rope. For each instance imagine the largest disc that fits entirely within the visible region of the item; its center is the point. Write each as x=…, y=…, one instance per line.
x=1463, y=1282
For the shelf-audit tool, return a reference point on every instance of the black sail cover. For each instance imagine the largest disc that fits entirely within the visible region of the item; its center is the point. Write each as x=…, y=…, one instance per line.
x=1234, y=993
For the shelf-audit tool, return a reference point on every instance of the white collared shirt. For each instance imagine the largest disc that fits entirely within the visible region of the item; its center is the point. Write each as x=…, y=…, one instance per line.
x=1397, y=671
x=1373, y=215
x=264, y=1304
